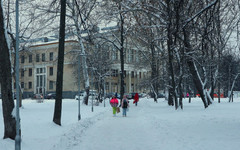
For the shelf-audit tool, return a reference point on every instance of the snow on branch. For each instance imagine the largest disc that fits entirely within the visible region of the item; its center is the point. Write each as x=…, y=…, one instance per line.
x=199, y=13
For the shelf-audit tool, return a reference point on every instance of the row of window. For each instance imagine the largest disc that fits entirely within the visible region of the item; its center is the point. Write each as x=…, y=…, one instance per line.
x=43, y=57
x=39, y=71
x=115, y=85
x=115, y=73
x=51, y=85
x=132, y=56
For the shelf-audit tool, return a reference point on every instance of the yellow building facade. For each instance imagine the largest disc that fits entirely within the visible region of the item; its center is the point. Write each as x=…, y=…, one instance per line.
x=38, y=71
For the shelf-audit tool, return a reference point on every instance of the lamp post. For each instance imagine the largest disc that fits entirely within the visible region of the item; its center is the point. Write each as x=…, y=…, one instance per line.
x=79, y=81
x=92, y=89
x=104, y=92
x=79, y=115
x=79, y=85
x=92, y=83
x=18, y=137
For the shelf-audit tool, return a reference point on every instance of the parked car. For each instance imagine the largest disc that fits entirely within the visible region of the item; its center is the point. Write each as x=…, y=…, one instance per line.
x=37, y=96
x=110, y=95
x=51, y=96
x=81, y=95
x=161, y=95
x=131, y=95
x=91, y=93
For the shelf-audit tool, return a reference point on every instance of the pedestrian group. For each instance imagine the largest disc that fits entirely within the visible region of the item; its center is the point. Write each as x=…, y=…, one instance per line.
x=124, y=104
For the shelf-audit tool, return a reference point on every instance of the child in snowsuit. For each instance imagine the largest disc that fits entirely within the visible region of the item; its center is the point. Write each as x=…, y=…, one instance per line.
x=124, y=105
x=114, y=104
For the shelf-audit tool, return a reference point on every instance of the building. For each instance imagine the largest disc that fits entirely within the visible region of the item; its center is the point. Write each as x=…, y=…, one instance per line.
x=38, y=71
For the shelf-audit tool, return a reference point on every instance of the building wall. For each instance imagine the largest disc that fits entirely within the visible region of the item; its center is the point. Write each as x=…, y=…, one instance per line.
x=44, y=73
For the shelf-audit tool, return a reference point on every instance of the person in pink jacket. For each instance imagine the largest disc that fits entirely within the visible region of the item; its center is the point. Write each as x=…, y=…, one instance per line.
x=114, y=104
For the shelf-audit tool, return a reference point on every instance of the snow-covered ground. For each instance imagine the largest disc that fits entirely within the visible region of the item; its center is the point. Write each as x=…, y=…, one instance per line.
x=149, y=126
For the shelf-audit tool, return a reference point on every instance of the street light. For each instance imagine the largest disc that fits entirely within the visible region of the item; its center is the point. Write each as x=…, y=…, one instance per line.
x=92, y=84
x=79, y=115
x=18, y=136
x=104, y=91
x=79, y=81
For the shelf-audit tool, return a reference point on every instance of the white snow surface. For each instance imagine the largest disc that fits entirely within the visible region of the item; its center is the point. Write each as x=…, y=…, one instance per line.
x=148, y=126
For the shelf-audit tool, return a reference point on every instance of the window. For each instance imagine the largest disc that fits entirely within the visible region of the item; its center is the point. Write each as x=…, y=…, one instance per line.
x=22, y=59
x=30, y=58
x=132, y=74
x=132, y=87
x=107, y=86
x=43, y=57
x=29, y=85
x=114, y=73
x=30, y=72
x=105, y=49
x=37, y=58
x=22, y=72
x=131, y=55
x=40, y=70
x=137, y=56
x=51, y=85
x=51, y=56
x=125, y=57
x=114, y=54
x=51, y=71
x=22, y=84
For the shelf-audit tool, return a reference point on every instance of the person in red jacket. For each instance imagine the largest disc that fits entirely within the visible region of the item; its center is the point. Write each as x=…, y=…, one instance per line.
x=114, y=104
x=136, y=99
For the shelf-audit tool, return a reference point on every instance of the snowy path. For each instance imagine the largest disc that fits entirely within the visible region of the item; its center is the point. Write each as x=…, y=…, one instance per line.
x=121, y=133
x=152, y=126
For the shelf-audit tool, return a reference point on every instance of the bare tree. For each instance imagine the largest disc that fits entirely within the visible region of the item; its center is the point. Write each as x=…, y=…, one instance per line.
x=59, y=85
x=6, y=82
x=117, y=13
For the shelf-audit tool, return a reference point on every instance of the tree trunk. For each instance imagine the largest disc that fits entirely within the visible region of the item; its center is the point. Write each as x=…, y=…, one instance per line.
x=154, y=72
x=6, y=83
x=85, y=71
x=193, y=69
x=190, y=94
x=121, y=53
x=172, y=91
x=233, y=84
x=14, y=64
x=78, y=24
x=59, y=85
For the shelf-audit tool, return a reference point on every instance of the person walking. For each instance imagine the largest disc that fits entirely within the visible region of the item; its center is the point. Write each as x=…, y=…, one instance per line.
x=114, y=104
x=125, y=105
x=136, y=99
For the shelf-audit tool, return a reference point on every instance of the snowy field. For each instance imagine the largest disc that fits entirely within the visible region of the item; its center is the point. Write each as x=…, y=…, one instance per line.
x=149, y=126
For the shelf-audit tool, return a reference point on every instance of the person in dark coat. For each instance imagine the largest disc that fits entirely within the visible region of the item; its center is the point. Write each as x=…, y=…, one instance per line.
x=125, y=105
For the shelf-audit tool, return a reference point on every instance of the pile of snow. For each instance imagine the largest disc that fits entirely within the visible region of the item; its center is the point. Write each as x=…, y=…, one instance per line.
x=149, y=125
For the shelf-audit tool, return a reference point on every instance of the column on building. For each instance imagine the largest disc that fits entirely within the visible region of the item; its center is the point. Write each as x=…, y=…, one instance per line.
x=129, y=82
x=136, y=80
x=110, y=85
